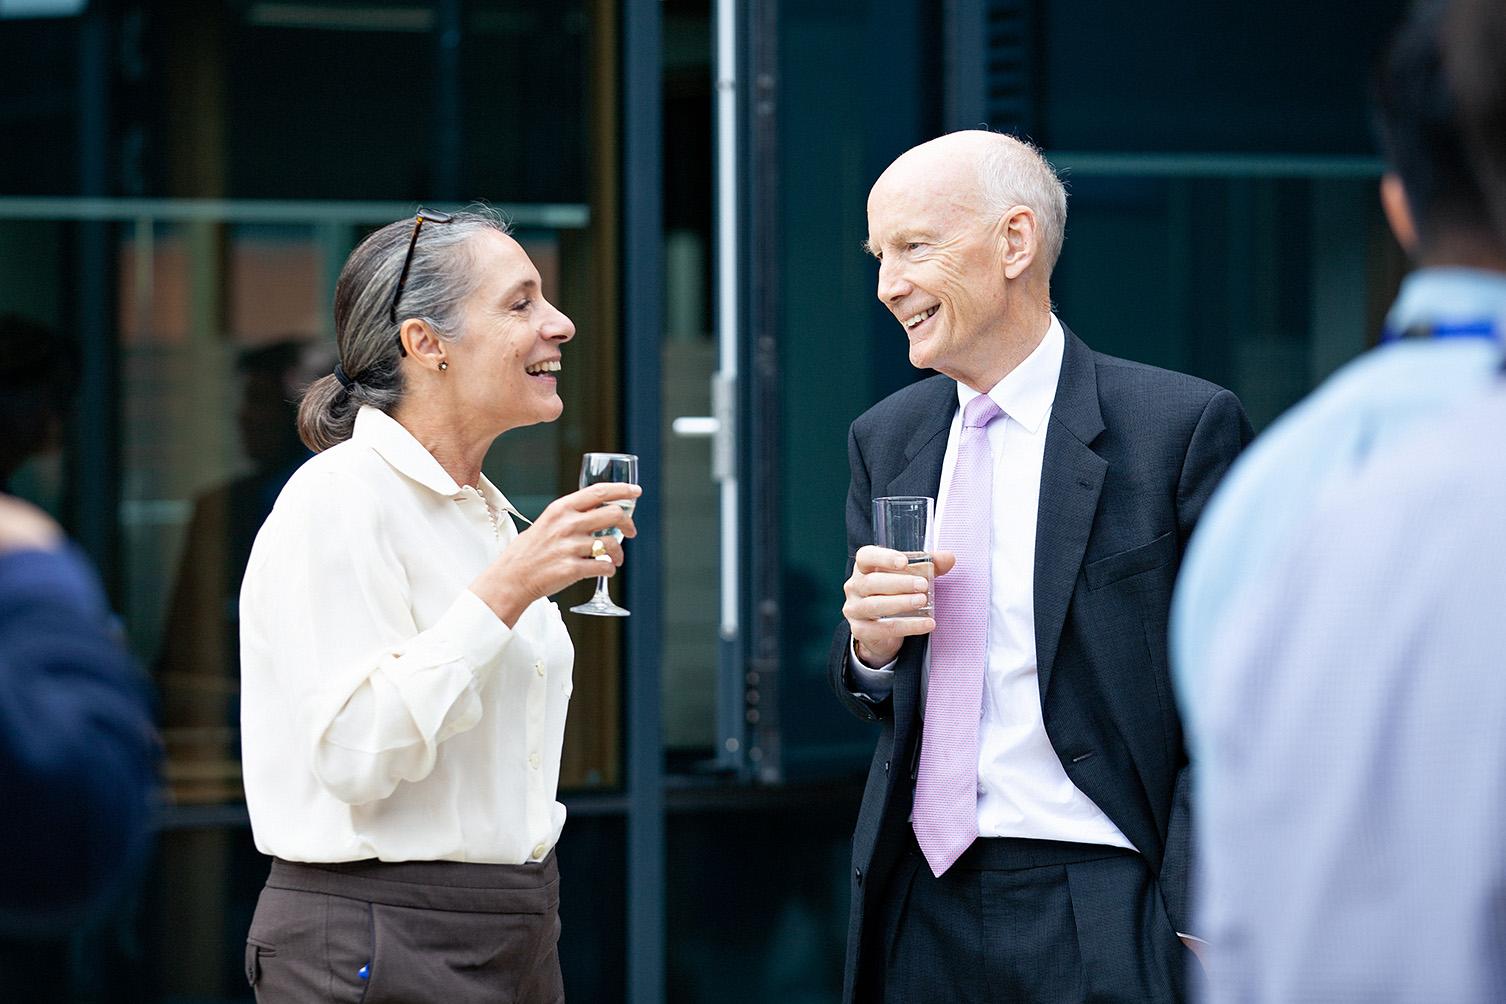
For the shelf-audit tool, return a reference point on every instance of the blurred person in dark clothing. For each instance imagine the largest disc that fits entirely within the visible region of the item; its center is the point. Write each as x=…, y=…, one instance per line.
x=77, y=749
x=78, y=753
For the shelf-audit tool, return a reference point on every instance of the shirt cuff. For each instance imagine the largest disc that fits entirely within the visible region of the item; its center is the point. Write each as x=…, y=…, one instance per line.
x=474, y=629
x=866, y=682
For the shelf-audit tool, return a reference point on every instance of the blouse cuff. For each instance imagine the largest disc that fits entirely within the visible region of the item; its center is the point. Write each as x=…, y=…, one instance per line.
x=478, y=634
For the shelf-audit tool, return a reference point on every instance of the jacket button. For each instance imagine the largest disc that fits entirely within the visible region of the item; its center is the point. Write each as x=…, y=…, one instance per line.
x=886, y=766
x=857, y=875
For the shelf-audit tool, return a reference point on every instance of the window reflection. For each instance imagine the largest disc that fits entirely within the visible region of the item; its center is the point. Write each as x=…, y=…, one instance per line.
x=198, y=669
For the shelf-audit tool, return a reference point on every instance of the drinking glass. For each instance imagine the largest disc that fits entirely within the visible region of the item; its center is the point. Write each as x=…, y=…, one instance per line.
x=594, y=468
x=906, y=523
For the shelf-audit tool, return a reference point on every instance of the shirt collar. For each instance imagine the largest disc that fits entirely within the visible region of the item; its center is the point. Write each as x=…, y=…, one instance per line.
x=1026, y=392
x=396, y=445
x=1430, y=297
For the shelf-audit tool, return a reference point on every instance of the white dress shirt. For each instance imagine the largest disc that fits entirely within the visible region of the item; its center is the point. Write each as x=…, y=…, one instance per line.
x=1023, y=791
x=386, y=711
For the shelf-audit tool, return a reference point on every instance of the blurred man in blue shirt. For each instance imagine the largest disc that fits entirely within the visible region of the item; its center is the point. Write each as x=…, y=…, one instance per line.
x=1350, y=696
x=1441, y=346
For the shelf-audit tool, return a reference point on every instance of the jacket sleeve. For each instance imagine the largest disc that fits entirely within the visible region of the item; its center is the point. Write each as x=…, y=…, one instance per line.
x=1222, y=431
x=859, y=533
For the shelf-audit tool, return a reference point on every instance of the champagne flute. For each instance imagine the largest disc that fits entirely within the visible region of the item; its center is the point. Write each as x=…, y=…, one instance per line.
x=594, y=468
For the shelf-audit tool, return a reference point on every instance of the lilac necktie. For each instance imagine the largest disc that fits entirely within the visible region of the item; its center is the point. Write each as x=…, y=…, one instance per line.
x=946, y=784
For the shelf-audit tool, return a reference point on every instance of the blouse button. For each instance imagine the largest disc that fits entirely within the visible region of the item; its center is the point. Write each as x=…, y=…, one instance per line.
x=533, y=760
x=539, y=852
x=538, y=668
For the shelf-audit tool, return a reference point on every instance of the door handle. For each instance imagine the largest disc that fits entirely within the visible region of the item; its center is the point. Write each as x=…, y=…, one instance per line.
x=695, y=426
x=718, y=427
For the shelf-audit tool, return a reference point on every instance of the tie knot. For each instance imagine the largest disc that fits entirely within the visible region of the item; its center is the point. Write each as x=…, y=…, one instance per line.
x=979, y=412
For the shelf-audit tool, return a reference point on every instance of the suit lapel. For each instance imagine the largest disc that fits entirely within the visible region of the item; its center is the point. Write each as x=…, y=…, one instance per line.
x=1071, y=479
x=925, y=448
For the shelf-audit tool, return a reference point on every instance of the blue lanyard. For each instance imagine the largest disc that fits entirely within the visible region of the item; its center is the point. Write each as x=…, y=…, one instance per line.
x=1460, y=329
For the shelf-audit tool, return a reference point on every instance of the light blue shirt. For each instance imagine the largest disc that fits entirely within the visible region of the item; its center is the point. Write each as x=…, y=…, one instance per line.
x=1350, y=840
x=1369, y=404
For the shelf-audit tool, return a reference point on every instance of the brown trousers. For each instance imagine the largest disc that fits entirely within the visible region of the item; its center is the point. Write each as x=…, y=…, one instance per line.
x=407, y=933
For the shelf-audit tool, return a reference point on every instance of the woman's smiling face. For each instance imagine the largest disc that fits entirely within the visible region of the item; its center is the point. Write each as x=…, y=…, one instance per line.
x=505, y=363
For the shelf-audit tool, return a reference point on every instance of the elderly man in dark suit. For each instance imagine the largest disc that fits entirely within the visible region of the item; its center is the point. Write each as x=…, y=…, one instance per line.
x=1023, y=833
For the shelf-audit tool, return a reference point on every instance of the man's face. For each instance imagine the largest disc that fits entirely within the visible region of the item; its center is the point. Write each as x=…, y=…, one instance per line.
x=941, y=268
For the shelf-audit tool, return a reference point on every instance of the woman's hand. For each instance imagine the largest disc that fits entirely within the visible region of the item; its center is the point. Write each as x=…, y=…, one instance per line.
x=557, y=549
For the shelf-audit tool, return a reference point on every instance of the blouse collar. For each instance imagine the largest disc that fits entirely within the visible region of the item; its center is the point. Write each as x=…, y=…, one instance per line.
x=396, y=445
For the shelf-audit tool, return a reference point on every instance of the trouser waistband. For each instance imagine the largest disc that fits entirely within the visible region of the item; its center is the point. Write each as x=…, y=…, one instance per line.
x=428, y=885
x=1013, y=853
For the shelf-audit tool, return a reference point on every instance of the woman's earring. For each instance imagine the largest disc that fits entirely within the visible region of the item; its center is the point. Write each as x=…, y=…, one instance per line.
x=443, y=365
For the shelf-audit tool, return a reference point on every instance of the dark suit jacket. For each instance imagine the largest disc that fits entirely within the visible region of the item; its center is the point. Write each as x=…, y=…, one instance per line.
x=1132, y=454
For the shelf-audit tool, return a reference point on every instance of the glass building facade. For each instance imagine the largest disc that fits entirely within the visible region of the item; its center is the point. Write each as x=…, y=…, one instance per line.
x=180, y=184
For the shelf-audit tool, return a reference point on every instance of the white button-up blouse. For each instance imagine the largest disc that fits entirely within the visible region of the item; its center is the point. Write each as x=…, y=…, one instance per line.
x=386, y=712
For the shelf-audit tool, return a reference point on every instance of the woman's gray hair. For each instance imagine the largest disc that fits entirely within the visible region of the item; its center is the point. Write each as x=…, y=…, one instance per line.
x=440, y=280
x=1013, y=172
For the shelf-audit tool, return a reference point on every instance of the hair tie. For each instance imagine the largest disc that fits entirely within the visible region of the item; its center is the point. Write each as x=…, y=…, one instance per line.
x=340, y=375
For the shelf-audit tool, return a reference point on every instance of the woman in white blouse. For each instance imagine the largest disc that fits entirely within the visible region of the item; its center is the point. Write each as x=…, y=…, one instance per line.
x=404, y=676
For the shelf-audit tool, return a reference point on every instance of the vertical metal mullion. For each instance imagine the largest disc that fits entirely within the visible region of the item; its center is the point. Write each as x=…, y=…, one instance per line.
x=731, y=680
x=965, y=31
x=447, y=97
x=761, y=498
x=642, y=325
x=94, y=481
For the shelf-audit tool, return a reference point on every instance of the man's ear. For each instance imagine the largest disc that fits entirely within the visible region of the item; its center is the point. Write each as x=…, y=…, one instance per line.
x=422, y=342
x=1398, y=211
x=1021, y=240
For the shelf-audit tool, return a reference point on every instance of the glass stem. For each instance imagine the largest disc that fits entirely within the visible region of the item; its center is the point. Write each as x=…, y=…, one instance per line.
x=601, y=589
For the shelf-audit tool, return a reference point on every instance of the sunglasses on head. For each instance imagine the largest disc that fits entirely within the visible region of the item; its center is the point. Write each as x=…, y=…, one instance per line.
x=423, y=216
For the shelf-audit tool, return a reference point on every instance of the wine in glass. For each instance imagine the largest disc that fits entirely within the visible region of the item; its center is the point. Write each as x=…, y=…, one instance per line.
x=594, y=468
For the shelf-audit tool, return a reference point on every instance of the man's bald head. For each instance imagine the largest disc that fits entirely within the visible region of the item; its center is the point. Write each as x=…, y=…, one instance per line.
x=990, y=172
x=966, y=230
